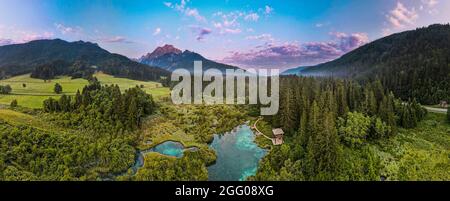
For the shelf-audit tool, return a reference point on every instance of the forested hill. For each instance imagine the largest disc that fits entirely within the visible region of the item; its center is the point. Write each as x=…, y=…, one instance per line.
x=413, y=64
x=48, y=58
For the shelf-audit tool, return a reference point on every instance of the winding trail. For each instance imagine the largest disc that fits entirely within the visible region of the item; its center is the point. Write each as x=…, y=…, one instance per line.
x=259, y=132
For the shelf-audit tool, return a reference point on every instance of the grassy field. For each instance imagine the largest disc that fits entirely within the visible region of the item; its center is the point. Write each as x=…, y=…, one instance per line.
x=36, y=90
x=17, y=118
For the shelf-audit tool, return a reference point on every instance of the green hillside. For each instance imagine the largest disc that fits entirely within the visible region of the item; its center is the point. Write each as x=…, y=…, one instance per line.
x=413, y=64
x=36, y=91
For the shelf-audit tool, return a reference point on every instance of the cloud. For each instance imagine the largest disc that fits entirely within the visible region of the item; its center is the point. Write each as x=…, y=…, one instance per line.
x=232, y=31
x=24, y=37
x=348, y=42
x=401, y=17
x=182, y=8
x=66, y=29
x=5, y=41
x=430, y=3
x=268, y=10
x=230, y=21
x=194, y=13
x=429, y=6
x=201, y=32
x=224, y=30
x=252, y=17
x=294, y=54
x=115, y=39
x=36, y=36
x=157, y=31
x=262, y=37
x=386, y=31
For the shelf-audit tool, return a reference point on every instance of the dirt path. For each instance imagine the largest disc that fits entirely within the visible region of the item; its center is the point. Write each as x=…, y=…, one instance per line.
x=259, y=132
x=436, y=110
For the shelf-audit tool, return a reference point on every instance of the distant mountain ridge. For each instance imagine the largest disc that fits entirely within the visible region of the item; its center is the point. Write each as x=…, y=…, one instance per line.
x=159, y=51
x=59, y=57
x=413, y=64
x=170, y=58
x=294, y=71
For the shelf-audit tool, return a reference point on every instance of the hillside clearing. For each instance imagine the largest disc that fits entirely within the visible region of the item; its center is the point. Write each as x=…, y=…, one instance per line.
x=30, y=92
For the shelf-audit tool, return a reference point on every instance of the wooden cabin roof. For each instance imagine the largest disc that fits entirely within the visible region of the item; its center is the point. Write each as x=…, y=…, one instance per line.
x=277, y=131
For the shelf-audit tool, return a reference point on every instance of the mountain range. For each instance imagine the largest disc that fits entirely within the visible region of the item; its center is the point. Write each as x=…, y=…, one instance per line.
x=170, y=58
x=71, y=57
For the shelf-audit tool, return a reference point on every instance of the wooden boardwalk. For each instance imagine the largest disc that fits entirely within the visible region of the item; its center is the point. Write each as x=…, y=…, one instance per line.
x=259, y=132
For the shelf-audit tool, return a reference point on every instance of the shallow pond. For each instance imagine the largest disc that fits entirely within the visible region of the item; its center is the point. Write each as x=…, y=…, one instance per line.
x=168, y=148
x=237, y=155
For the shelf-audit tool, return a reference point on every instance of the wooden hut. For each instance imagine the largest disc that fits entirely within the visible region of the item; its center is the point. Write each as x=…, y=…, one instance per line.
x=278, y=136
x=443, y=104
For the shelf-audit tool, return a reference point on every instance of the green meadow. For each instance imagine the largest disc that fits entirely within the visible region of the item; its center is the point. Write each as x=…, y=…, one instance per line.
x=31, y=92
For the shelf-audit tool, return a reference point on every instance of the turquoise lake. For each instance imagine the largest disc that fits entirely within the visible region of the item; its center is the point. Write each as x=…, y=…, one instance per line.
x=168, y=148
x=237, y=155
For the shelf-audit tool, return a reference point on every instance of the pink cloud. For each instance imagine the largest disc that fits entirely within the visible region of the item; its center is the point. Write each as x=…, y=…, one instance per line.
x=232, y=31
x=24, y=37
x=66, y=29
x=252, y=17
x=348, y=42
x=193, y=12
x=157, y=31
x=5, y=41
x=34, y=36
x=268, y=9
x=294, y=54
x=262, y=37
x=115, y=39
x=201, y=32
x=182, y=8
x=401, y=16
x=430, y=3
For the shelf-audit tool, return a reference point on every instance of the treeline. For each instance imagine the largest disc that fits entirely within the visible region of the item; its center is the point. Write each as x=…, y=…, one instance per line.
x=328, y=123
x=84, y=69
x=102, y=108
x=77, y=69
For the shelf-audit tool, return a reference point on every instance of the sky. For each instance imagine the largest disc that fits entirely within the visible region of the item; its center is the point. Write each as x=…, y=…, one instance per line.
x=246, y=33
